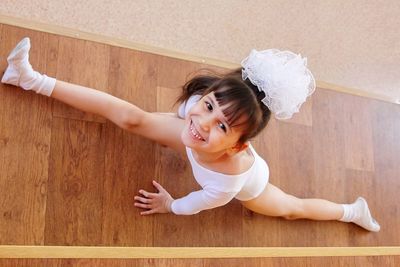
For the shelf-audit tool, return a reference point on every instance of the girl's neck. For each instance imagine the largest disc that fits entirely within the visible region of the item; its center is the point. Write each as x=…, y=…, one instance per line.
x=209, y=158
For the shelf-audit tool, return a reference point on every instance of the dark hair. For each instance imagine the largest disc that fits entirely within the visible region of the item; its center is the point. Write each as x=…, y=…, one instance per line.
x=240, y=97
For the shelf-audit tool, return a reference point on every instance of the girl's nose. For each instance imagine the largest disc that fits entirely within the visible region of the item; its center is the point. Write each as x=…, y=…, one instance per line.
x=205, y=122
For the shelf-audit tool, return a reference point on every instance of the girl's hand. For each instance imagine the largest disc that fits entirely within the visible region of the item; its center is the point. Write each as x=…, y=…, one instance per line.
x=154, y=202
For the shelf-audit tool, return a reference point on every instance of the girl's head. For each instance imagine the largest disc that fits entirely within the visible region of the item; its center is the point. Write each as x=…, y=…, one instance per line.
x=230, y=104
x=242, y=100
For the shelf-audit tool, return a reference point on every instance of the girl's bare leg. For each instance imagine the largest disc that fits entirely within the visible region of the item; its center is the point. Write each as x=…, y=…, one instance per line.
x=162, y=128
x=93, y=101
x=274, y=202
x=20, y=73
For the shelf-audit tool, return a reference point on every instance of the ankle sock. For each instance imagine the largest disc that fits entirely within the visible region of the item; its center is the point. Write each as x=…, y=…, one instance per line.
x=359, y=213
x=20, y=72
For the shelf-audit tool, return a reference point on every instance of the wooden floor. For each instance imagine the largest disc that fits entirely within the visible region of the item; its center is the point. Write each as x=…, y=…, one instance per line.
x=69, y=178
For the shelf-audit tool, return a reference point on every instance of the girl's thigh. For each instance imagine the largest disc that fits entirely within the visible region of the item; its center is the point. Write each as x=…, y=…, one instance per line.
x=272, y=202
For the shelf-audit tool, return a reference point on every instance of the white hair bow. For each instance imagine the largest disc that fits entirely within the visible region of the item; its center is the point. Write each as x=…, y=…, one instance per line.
x=284, y=78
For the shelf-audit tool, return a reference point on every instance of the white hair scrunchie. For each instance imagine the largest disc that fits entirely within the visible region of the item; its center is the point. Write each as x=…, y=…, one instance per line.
x=284, y=78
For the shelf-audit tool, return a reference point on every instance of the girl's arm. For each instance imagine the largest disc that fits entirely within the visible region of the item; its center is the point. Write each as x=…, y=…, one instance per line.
x=193, y=203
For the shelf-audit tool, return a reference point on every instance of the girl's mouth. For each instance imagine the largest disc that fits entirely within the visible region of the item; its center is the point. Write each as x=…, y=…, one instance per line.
x=194, y=133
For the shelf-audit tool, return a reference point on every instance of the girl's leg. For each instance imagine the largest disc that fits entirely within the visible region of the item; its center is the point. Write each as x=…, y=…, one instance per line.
x=274, y=202
x=162, y=128
x=20, y=73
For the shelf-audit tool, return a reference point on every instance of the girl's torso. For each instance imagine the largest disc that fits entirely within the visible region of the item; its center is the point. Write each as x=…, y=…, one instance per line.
x=247, y=183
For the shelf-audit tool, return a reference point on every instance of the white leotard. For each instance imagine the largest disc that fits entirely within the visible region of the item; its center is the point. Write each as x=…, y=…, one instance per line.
x=218, y=188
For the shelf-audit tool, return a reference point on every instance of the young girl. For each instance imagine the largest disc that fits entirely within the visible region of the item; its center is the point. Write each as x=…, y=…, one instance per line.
x=218, y=116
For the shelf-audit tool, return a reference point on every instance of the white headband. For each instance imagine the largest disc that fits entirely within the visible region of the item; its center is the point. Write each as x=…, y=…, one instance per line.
x=284, y=78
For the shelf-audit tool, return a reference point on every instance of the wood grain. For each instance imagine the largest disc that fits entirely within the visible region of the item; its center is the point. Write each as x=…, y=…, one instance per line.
x=69, y=179
x=172, y=171
x=129, y=158
x=74, y=198
x=84, y=63
x=359, y=154
x=24, y=149
x=386, y=147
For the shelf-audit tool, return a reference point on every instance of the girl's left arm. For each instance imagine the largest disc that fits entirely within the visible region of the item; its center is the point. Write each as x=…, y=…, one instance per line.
x=193, y=203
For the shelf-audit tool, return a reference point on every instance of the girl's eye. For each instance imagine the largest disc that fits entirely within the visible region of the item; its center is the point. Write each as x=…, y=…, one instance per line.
x=209, y=106
x=222, y=126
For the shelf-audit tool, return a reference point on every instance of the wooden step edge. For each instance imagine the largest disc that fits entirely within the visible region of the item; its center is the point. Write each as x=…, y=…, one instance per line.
x=189, y=252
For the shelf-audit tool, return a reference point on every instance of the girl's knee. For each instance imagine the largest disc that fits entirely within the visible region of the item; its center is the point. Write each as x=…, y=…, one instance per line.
x=295, y=210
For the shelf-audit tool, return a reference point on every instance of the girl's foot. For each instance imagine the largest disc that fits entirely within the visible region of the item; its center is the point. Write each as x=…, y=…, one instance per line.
x=18, y=64
x=359, y=213
x=20, y=72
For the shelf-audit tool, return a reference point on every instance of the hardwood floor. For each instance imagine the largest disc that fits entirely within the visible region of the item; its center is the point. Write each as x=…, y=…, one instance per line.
x=69, y=178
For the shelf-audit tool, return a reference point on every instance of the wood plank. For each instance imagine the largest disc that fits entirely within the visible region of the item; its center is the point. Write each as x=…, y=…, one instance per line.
x=314, y=261
x=25, y=130
x=329, y=165
x=129, y=167
x=359, y=153
x=75, y=189
x=166, y=98
x=175, y=77
x=80, y=252
x=84, y=63
x=174, y=173
x=130, y=159
x=386, y=147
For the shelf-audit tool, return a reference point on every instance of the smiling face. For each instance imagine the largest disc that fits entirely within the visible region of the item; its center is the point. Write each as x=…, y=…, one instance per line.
x=207, y=129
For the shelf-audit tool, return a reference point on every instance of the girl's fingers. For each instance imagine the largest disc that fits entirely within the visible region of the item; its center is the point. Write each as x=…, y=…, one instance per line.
x=148, y=212
x=143, y=206
x=143, y=200
x=158, y=186
x=147, y=194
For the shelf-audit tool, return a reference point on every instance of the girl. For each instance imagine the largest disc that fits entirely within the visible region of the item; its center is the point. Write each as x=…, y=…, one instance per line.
x=218, y=116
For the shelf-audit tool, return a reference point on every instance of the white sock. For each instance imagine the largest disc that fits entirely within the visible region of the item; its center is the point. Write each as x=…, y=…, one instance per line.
x=20, y=72
x=358, y=213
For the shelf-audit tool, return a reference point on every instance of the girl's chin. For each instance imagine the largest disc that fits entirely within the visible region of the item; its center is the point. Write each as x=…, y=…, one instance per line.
x=188, y=141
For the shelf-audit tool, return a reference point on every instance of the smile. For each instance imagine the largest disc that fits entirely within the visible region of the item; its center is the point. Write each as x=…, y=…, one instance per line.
x=194, y=132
